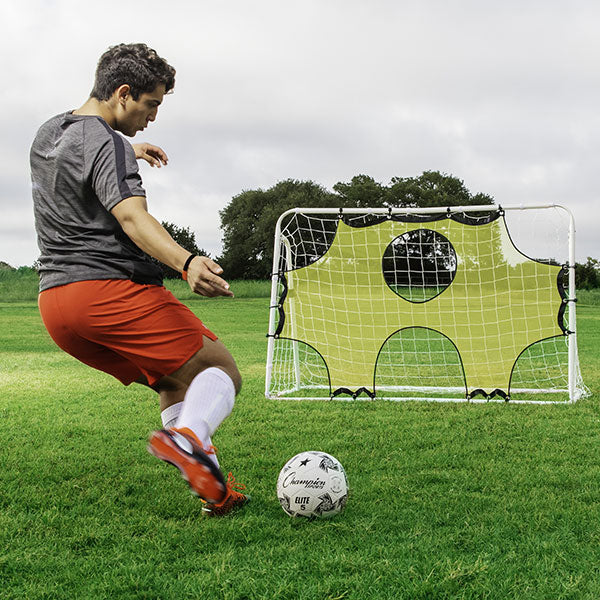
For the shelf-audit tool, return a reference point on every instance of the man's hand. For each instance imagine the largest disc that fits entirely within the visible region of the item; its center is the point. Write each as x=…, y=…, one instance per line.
x=203, y=278
x=153, y=155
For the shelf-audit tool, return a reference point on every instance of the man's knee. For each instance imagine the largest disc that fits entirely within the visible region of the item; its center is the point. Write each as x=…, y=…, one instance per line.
x=212, y=354
x=229, y=368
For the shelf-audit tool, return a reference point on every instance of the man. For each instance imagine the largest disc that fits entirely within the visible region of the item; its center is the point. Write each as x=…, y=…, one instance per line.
x=101, y=298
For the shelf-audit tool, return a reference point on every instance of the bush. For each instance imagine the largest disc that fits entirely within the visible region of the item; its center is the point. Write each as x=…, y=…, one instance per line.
x=18, y=285
x=587, y=275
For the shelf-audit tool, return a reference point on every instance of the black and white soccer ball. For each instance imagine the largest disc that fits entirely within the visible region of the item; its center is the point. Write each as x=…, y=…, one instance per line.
x=312, y=484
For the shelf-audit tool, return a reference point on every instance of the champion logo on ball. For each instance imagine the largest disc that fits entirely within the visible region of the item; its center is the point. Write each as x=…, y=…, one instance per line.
x=318, y=484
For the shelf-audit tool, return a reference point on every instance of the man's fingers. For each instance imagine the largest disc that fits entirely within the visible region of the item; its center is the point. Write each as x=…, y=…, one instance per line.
x=156, y=159
x=162, y=155
x=216, y=281
x=219, y=285
x=159, y=153
x=154, y=162
x=214, y=285
x=155, y=156
x=207, y=289
x=213, y=266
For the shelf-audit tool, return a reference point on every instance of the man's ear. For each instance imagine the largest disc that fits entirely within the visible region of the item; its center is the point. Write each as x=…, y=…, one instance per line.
x=122, y=93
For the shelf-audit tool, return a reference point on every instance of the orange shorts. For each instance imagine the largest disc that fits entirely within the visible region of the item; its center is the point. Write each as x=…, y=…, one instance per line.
x=123, y=328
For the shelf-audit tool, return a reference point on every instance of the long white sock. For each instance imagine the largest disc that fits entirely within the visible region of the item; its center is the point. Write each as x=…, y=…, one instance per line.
x=170, y=415
x=208, y=401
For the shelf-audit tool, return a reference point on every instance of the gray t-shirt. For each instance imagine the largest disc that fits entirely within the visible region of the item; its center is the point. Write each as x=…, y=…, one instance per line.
x=81, y=169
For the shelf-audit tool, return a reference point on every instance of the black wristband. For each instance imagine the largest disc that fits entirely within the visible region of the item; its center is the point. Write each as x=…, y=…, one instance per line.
x=186, y=265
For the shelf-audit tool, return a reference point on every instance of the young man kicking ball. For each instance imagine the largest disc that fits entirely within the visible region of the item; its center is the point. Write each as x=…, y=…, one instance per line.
x=101, y=298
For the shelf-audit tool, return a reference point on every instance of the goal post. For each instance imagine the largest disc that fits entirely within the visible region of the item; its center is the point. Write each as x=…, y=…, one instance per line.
x=465, y=303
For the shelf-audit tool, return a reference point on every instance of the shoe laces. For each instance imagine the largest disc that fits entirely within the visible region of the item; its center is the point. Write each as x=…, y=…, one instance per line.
x=233, y=498
x=234, y=491
x=233, y=485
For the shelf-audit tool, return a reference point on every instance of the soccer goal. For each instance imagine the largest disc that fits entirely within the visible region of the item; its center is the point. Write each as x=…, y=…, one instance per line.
x=472, y=303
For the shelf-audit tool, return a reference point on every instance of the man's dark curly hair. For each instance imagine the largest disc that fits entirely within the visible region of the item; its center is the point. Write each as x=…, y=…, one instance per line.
x=134, y=64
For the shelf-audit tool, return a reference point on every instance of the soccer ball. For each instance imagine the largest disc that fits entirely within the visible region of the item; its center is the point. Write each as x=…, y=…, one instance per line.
x=312, y=484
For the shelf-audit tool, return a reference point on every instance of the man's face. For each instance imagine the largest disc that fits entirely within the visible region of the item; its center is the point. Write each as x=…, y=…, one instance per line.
x=135, y=115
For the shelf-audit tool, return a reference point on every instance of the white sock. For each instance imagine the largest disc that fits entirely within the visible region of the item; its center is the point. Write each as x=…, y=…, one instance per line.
x=208, y=401
x=170, y=415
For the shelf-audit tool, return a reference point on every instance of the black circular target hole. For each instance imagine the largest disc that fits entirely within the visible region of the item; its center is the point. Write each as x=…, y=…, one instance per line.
x=419, y=265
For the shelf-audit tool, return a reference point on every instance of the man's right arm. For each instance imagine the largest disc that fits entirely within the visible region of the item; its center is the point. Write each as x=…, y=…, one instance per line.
x=151, y=237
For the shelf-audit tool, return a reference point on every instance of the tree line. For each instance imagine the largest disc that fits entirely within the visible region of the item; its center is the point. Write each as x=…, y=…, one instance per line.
x=248, y=221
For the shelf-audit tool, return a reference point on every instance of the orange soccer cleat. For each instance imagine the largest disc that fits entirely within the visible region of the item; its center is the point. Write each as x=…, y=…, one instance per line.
x=181, y=448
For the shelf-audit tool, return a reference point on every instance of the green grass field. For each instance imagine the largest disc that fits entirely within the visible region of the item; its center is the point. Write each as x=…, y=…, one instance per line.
x=446, y=501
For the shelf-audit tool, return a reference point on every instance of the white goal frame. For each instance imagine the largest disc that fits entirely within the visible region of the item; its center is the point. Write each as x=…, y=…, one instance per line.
x=575, y=388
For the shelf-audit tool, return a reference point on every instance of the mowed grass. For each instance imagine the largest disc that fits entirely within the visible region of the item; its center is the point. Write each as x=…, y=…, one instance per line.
x=446, y=501
x=22, y=285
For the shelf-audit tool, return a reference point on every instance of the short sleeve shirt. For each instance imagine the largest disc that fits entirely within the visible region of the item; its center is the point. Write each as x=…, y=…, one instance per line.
x=80, y=170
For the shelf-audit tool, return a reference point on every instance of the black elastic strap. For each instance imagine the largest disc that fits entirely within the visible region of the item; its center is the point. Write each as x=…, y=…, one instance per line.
x=186, y=265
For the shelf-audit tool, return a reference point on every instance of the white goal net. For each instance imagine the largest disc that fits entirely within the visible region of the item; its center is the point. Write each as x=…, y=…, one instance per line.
x=456, y=304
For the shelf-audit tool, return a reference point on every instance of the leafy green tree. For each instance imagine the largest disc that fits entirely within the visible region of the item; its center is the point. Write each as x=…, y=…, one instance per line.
x=418, y=254
x=433, y=188
x=362, y=192
x=186, y=238
x=249, y=220
x=429, y=189
x=587, y=275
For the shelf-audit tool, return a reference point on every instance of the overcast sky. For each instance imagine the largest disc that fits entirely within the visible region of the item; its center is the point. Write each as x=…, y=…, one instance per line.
x=504, y=95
